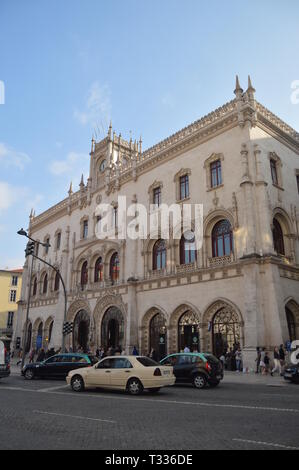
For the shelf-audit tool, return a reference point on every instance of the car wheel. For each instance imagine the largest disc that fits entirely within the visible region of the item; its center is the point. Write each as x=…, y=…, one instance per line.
x=199, y=381
x=154, y=390
x=29, y=374
x=214, y=384
x=134, y=387
x=77, y=384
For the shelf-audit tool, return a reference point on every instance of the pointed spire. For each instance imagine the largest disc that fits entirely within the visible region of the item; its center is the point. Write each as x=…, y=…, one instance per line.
x=140, y=145
x=82, y=182
x=238, y=89
x=71, y=189
x=250, y=87
x=110, y=130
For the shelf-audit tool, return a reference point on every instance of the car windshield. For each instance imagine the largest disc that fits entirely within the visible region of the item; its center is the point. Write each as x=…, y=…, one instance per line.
x=147, y=362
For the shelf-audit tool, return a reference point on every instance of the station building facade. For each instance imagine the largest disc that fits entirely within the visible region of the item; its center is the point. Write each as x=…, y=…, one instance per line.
x=241, y=288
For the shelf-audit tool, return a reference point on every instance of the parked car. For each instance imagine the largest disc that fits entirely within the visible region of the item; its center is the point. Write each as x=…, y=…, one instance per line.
x=199, y=369
x=4, y=361
x=291, y=373
x=128, y=373
x=58, y=366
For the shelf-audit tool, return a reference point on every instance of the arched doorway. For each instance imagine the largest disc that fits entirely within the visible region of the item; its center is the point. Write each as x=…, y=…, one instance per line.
x=39, y=337
x=112, y=330
x=28, y=338
x=291, y=324
x=188, y=332
x=226, y=331
x=158, y=335
x=81, y=331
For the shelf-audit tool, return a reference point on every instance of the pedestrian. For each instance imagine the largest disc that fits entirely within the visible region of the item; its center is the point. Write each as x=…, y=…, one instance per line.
x=262, y=361
x=153, y=355
x=258, y=360
x=267, y=363
x=282, y=357
x=135, y=351
x=186, y=350
x=277, y=366
x=31, y=356
x=41, y=356
x=118, y=351
x=238, y=356
x=222, y=359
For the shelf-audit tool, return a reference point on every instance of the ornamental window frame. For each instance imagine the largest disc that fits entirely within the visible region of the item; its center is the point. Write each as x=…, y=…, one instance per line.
x=183, y=173
x=276, y=164
x=215, y=157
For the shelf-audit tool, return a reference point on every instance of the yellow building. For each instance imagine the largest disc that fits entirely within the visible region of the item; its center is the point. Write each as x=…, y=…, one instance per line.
x=10, y=293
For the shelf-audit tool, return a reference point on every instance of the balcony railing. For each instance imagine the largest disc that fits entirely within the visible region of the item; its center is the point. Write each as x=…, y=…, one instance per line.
x=220, y=261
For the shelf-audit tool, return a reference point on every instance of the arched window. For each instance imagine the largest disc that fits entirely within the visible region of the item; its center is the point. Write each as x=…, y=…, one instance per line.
x=222, y=239
x=158, y=335
x=226, y=331
x=45, y=284
x=114, y=267
x=34, y=287
x=50, y=331
x=291, y=324
x=56, y=282
x=84, y=274
x=98, y=270
x=278, y=238
x=159, y=255
x=188, y=332
x=187, y=248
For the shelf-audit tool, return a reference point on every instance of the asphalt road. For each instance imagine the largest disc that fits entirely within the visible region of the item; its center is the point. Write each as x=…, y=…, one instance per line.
x=48, y=415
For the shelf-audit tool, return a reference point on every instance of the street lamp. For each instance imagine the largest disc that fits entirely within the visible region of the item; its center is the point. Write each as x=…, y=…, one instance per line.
x=31, y=251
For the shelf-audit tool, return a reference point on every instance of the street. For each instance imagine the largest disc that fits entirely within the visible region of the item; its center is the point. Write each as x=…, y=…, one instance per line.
x=242, y=413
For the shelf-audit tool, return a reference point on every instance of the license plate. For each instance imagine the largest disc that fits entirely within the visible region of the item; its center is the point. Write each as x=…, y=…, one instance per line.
x=166, y=372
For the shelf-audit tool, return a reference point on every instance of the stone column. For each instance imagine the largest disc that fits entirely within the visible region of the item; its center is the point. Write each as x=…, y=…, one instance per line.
x=132, y=318
x=249, y=205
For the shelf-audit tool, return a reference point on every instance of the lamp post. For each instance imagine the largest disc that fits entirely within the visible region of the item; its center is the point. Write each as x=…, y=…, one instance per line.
x=30, y=250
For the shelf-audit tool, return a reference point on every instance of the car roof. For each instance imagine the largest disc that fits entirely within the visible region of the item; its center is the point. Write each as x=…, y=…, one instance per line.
x=198, y=354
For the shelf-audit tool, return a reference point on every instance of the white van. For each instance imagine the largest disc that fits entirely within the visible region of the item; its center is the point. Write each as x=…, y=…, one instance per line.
x=4, y=361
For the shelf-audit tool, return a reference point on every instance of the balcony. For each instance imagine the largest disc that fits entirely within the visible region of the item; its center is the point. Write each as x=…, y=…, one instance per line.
x=220, y=261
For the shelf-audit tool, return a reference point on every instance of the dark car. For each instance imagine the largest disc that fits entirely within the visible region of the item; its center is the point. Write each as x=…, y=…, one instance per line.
x=58, y=366
x=4, y=361
x=291, y=373
x=199, y=369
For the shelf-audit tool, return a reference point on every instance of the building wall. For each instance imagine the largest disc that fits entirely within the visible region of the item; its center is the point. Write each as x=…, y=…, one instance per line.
x=5, y=288
x=254, y=284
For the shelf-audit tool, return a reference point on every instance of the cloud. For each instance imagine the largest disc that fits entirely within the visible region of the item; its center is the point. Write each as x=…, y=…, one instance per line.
x=71, y=167
x=8, y=195
x=97, y=108
x=11, y=157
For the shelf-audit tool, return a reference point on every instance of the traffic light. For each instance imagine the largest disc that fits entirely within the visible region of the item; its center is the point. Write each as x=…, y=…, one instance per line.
x=30, y=249
x=67, y=328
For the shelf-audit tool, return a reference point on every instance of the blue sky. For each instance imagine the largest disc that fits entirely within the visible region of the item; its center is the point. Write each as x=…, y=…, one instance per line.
x=152, y=66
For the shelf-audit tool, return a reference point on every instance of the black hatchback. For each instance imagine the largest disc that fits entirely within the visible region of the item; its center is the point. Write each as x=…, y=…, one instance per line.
x=58, y=366
x=199, y=369
x=291, y=373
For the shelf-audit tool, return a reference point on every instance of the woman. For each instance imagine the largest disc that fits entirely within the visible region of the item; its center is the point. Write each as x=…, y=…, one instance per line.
x=277, y=366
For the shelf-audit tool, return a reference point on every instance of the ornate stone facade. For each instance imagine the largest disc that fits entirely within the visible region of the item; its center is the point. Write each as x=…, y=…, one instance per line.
x=247, y=273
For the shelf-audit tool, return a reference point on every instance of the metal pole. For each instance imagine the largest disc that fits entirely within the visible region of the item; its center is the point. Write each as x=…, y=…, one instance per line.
x=27, y=315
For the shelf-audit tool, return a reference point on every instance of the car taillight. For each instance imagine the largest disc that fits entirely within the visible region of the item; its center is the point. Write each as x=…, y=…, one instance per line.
x=157, y=372
x=208, y=367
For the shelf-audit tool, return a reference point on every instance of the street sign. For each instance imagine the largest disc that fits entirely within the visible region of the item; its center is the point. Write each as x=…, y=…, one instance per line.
x=67, y=328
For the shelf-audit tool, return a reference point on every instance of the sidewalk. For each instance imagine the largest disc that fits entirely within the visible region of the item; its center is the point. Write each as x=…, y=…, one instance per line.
x=254, y=379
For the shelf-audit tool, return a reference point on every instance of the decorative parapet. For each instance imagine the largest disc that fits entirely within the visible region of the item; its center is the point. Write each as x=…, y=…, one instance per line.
x=220, y=261
x=186, y=268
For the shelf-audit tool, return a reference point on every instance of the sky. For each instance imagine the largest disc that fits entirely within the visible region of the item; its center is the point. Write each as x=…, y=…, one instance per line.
x=152, y=67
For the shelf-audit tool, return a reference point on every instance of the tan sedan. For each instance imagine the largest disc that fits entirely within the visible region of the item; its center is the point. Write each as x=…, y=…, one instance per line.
x=131, y=373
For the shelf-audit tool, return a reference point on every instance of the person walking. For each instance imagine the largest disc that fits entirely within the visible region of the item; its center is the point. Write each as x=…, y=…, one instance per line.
x=238, y=356
x=31, y=356
x=282, y=358
x=258, y=360
x=277, y=366
x=186, y=350
x=262, y=361
x=135, y=351
x=267, y=363
x=41, y=356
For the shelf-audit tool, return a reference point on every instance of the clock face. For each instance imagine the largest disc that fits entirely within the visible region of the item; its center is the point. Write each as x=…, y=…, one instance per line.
x=102, y=165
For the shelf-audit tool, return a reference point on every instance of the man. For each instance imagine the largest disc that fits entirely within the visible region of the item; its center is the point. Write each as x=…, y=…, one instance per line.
x=258, y=360
x=186, y=350
x=282, y=356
